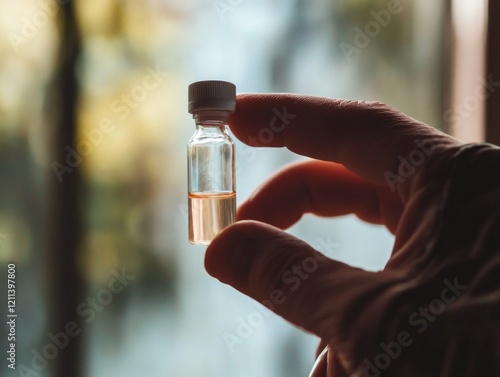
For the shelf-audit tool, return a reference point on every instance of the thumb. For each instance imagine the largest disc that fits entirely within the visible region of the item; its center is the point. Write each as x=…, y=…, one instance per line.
x=320, y=295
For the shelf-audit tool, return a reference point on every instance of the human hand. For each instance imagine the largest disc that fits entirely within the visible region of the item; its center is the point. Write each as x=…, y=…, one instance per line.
x=433, y=192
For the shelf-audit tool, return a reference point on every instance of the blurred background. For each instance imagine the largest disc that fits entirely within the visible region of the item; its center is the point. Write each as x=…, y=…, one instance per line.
x=93, y=135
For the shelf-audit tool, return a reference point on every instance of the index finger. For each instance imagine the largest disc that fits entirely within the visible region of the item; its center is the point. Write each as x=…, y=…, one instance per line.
x=369, y=138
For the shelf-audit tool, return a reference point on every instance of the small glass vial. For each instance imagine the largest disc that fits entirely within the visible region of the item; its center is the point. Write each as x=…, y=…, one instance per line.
x=211, y=161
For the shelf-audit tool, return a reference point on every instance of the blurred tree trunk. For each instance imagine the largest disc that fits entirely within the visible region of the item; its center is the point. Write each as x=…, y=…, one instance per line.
x=493, y=69
x=65, y=228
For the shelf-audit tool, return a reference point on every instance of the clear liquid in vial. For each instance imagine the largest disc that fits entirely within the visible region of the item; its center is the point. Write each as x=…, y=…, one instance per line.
x=209, y=213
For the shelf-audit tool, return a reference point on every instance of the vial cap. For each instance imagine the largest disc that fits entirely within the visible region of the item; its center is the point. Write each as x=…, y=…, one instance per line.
x=211, y=95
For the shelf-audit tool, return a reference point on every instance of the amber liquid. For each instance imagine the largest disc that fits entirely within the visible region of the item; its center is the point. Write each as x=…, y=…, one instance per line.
x=209, y=213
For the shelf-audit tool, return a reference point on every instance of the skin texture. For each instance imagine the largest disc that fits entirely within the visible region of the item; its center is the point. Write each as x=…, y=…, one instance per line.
x=437, y=296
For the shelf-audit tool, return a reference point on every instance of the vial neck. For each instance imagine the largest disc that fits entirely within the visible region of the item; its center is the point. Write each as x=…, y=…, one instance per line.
x=211, y=118
x=211, y=126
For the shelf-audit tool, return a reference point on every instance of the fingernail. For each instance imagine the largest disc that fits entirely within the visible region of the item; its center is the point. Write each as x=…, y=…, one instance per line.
x=319, y=368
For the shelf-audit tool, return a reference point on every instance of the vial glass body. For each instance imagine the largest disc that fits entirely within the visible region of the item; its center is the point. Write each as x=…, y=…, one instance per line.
x=211, y=181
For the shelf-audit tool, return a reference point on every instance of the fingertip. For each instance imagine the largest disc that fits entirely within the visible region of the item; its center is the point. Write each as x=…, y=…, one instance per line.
x=254, y=113
x=229, y=254
x=219, y=250
x=243, y=211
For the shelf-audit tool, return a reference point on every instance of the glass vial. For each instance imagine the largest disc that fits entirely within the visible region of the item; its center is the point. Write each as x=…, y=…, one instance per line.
x=211, y=161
